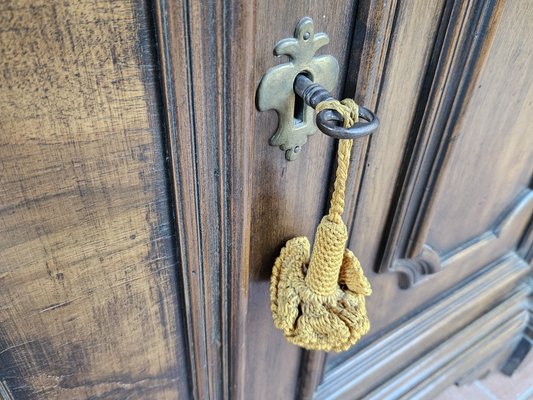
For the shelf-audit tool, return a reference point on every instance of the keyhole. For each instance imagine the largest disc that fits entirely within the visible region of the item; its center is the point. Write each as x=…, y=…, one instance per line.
x=299, y=105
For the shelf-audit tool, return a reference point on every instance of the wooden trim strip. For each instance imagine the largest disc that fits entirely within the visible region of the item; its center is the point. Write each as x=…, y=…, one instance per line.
x=208, y=103
x=374, y=25
x=477, y=344
x=5, y=393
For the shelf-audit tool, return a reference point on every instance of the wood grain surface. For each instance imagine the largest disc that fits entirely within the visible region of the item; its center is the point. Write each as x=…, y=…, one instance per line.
x=142, y=208
x=486, y=174
x=88, y=302
x=207, y=57
x=400, y=50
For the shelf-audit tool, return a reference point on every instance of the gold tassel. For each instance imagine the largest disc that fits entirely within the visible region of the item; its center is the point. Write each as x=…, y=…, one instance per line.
x=318, y=300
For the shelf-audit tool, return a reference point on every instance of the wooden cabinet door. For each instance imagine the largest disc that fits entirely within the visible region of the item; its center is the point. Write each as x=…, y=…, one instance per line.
x=440, y=197
x=444, y=211
x=142, y=208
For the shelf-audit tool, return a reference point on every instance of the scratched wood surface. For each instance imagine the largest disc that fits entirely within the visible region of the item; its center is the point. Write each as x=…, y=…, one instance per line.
x=426, y=68
x=120, y=181
x=208, y=91
x=88, y=305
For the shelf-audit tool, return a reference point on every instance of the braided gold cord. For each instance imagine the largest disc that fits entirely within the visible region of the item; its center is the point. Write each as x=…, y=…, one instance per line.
x=350, y=113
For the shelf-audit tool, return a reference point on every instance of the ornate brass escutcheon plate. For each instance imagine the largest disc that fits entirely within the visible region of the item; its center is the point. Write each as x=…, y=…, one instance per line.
x=276, y=92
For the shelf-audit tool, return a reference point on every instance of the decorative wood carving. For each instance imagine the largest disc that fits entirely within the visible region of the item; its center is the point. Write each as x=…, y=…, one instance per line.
x=207, y=57
x=459, y=51
x=127, y=274
x=429, y=261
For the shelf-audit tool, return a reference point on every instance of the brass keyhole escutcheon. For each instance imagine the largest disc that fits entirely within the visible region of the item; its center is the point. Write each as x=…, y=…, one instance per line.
x=276, y=89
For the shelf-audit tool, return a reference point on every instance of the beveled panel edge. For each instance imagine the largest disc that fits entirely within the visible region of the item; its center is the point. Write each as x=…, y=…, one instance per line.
x=372, y=37
x=466, y=32
x=367, y=369
x=207, y=107
x=508, y=229
x=486, y=338
x=5, y=393
x=525, y=246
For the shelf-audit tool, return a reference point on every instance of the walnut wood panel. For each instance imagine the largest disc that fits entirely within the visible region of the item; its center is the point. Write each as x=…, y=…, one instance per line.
x=207, y=54
x=403, y=55
x=465, y=48
x=488, y=338
x=429, y=193
x=390, y=79
x=391, y=50
x=456, y=54
x=141, y=210
x=373, y=26
x=88, y=302
x=371, y=228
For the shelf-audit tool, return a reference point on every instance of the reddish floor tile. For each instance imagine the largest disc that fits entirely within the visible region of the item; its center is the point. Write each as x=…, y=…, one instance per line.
x=511, y=388
x=497, y=386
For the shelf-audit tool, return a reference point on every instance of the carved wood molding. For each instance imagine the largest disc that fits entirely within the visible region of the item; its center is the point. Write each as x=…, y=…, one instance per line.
x=372, y=37
x=467, y=28
x=5, y=393
x=525, y=246
x=508, y=228
x=467, y=314
x=206, y=58
x=492, y=334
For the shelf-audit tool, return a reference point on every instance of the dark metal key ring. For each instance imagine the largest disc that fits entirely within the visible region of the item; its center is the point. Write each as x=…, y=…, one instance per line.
x=327, y=120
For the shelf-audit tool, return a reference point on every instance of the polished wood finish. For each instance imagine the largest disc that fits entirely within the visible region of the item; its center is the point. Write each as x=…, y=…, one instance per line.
x=457, y=56
x=88, y=297
x=512, y=203
x=208, y=87
x=141, y=207
x=459, y=203
x=288, y=198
